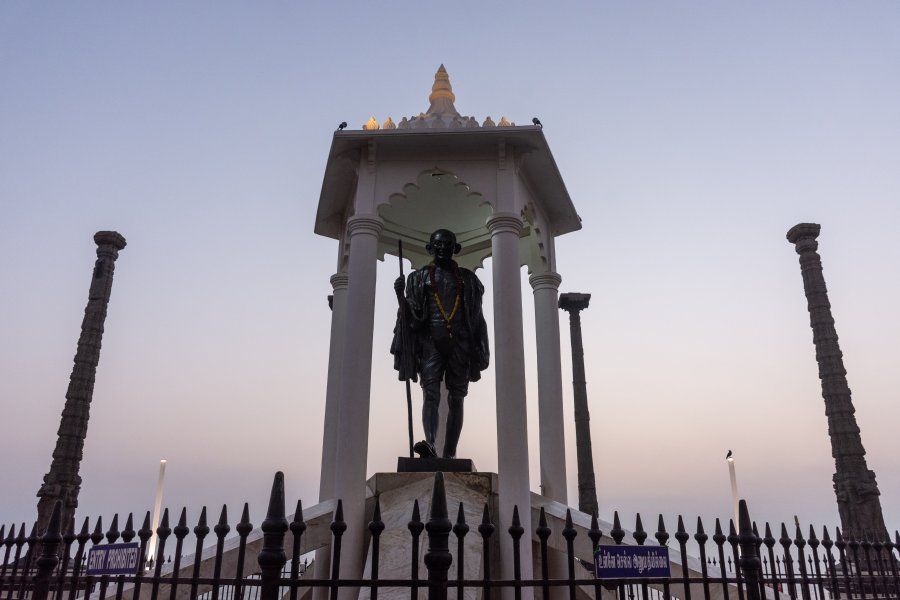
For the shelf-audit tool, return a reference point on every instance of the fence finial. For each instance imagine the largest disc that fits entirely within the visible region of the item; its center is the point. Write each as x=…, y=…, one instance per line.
x=113, y=533
x=662, y=536
x=128, y=533
x=181, y=530
x=617, y=533
x=97, y=536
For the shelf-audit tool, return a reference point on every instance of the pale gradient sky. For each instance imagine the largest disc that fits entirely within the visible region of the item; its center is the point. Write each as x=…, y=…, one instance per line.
x=691, y=136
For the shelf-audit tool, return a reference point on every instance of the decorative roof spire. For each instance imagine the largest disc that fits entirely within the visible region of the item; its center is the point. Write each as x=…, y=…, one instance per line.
x=442, y=97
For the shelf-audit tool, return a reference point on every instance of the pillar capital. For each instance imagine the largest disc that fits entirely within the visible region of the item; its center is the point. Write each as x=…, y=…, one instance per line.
x=504, y=223
x=545, y=281
x=803, y=236
x=364, y=224
x=574, y=302
x=109, y=238
x=339, y=281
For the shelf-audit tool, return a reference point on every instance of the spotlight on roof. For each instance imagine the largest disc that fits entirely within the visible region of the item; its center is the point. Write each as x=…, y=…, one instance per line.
x=537, y=122
x=342, y=125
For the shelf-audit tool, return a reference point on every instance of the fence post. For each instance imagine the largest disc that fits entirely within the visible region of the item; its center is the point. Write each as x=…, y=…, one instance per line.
x=49, y=555
x=750, y=564
x=271, y=557
x=438, y=558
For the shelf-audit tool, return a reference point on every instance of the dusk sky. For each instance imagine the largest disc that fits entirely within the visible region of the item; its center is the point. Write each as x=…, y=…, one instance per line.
x=691, y=136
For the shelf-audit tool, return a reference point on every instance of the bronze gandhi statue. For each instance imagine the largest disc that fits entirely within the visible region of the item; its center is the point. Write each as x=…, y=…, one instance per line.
x=447, y=335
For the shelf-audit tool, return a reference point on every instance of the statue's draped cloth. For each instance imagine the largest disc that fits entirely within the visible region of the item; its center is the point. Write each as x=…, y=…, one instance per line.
x=408, y=363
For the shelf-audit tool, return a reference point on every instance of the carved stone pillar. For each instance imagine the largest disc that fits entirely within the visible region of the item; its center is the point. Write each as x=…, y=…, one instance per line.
x=587, y=487
x=62, y=482
x=854, y=484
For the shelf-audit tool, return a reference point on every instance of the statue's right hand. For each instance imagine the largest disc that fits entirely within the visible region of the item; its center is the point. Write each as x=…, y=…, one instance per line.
x=398, y=286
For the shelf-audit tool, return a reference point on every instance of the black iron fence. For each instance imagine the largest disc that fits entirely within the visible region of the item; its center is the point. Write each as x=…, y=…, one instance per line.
x=739, y=565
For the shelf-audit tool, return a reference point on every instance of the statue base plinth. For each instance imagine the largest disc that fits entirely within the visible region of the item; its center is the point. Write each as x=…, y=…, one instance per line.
x=430, y=464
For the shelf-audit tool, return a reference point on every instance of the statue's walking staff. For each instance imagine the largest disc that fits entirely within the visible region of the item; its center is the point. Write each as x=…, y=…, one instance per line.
x=407, y=354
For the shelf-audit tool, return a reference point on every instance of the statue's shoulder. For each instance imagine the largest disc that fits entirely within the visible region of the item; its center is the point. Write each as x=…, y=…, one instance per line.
x=468, y=273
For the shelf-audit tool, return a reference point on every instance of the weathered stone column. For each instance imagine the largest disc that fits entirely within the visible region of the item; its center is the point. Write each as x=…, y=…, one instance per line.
x=356, y=382
x=587, y=487
x=63, y=482
x=854, y=484
x=551, y=423
x=509, y=368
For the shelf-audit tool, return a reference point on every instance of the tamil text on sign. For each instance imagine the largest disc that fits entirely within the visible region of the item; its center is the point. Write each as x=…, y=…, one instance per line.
x=631, y=562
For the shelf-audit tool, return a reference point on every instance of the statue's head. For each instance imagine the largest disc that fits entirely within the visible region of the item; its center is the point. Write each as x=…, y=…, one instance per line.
x=442, y=244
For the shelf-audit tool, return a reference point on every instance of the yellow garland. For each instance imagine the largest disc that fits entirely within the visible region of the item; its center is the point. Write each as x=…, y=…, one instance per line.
x=440, y=305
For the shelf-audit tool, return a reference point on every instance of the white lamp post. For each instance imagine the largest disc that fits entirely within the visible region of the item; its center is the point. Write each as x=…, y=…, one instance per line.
x=729, y=458
x=157, y=505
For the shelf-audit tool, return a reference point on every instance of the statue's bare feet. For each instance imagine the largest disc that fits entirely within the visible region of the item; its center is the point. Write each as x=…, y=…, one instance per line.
x=425, y=450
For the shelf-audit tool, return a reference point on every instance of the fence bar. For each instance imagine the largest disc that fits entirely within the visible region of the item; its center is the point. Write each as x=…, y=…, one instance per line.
x=681, y=535
x=733, y=542
x=376, y=526
x=569, y=534
x=415, y=527
x=162, y=534
x=640, y=536
x=201, y=530
x=438, y=558
x=82, y=538
x=221, y=529
x=486, y=529
x=297, y=527
x=181, y=530
x=338, y=527
x=243, y=528
x=594, y=534
x=618, y=534
x=271, y=557
x=662, y=536
x=749, y=565
x=515, y=531
x=460, y=529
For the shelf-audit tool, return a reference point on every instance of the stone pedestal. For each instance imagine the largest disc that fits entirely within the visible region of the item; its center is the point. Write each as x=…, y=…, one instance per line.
x=397, y=492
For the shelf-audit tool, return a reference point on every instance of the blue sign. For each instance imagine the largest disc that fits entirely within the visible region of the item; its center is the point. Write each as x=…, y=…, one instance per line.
x=114, y=559
x=631, y=562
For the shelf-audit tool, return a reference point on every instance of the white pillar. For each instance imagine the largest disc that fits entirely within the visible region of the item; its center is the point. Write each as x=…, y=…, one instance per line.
x=356, y=383
x=550, y=400
x=509, y=367
x=157, y=506
x=332, y=398
x=333, y=390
